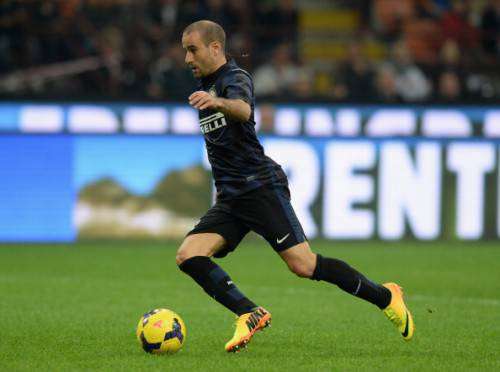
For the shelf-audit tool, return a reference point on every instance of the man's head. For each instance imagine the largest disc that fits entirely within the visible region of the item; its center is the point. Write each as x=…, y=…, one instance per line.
x=204, y=42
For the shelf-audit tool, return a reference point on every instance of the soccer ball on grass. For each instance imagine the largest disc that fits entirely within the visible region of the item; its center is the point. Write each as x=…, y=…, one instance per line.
x=161, y=331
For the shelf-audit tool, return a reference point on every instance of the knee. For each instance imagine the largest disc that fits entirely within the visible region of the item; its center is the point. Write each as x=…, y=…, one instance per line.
x=190, y=247
x=199, y=245
x=300, y=260
x=182, y=255
x=301, y=268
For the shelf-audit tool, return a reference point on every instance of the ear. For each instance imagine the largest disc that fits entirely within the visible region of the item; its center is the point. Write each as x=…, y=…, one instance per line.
x=215, y=48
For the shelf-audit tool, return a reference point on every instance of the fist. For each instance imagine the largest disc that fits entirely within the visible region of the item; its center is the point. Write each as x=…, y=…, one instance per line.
x=201, y=100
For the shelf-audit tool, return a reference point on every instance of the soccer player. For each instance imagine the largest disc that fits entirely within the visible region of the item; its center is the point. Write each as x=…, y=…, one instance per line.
x=252, y=194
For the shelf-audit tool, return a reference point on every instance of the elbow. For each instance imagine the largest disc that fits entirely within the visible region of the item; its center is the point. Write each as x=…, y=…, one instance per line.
x=242, y=110
x=243, y=116
x=246, y=113
x=237, y=110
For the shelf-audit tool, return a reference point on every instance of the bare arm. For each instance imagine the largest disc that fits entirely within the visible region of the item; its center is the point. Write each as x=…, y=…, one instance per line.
x=235, y=109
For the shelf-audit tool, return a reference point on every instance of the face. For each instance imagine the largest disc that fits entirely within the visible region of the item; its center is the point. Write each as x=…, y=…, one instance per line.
x=449, y=85
x=201, y=58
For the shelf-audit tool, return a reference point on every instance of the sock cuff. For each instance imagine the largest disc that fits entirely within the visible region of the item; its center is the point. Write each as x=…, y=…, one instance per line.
x=318, y=269
x=196, y=263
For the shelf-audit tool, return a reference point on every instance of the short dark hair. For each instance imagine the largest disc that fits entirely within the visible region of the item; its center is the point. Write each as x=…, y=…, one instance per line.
x=209, y=32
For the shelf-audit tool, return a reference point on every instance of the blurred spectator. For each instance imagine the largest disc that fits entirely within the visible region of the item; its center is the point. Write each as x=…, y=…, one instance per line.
x=449, y=89
x=285, y=23
x=262, y=12
x=109, y=44
x=239, y=32
x=427, y=9
x=441, y=5
x=364, y=9
x=217, y=12
x=490, y=29
x=456, y=26
x=411, y=83
x=237, y=14
x=450, y=59
x=266, y=118
x=277, y=23
x=301, y=88
x=136, y=76
x=173, y=80
x=390, y=16
x=474, y=85
x=124, y=49
x=163, y=15
x=355, y=77
x=189, y=11
x=384, y=86
x=277, y=77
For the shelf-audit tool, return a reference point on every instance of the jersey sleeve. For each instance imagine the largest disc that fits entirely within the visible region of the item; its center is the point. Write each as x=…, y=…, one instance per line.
x=239, y=86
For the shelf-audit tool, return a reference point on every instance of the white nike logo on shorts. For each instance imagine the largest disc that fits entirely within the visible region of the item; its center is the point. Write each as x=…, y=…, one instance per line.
x=279, y=241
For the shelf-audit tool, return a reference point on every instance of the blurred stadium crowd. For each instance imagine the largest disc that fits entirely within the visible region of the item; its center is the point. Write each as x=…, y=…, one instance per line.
x=378, y=51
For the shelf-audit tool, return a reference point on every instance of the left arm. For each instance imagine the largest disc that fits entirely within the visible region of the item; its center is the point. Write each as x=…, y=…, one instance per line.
x=236, y=109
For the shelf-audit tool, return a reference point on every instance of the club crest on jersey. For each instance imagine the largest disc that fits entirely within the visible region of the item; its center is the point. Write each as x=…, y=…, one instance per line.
x=212, y=91
x=212, y=122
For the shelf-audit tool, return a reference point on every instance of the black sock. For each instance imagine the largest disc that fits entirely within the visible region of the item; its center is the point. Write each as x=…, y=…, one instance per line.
x=217, y=284
x=348, y=279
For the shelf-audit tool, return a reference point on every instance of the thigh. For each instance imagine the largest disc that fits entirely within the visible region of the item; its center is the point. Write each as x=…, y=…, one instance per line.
x=219, y=221
x=269, y=212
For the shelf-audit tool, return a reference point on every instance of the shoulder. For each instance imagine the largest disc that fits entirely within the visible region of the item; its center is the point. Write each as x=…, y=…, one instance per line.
x=236, y=83
x=237, y=71
x=236, y=74
x=237, y=79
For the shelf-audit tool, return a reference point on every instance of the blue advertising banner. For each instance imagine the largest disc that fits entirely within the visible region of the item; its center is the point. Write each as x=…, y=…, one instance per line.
x=36, y=188
x=311, y=120
x=128, y=171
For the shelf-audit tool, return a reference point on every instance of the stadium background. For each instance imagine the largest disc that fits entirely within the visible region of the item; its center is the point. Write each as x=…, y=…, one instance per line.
x=385, y=114
x=94, y=121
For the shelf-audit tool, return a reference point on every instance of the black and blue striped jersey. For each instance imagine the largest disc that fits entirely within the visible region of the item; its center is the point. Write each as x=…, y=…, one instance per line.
x=235, y=154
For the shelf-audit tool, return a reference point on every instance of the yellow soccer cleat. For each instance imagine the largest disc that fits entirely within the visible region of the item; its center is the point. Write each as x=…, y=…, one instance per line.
x=397, y=312
x=246, y=325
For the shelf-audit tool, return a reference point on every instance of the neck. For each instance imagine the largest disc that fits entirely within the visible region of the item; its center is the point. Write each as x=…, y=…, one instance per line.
x=218, y=65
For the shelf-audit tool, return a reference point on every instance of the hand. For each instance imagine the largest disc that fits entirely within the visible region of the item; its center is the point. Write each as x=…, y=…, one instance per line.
x=202, y=100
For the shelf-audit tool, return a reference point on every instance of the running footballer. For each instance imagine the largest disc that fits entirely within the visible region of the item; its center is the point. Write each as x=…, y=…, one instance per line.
x=253, y=195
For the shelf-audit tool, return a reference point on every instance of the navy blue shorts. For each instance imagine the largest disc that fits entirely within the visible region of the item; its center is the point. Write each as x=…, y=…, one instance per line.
x=266, y=211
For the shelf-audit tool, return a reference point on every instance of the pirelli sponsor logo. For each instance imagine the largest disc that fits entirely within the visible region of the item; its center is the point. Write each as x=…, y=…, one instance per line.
x=212, y=122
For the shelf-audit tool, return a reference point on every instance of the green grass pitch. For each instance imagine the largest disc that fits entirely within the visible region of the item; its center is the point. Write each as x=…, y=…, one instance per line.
x=75, y=307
